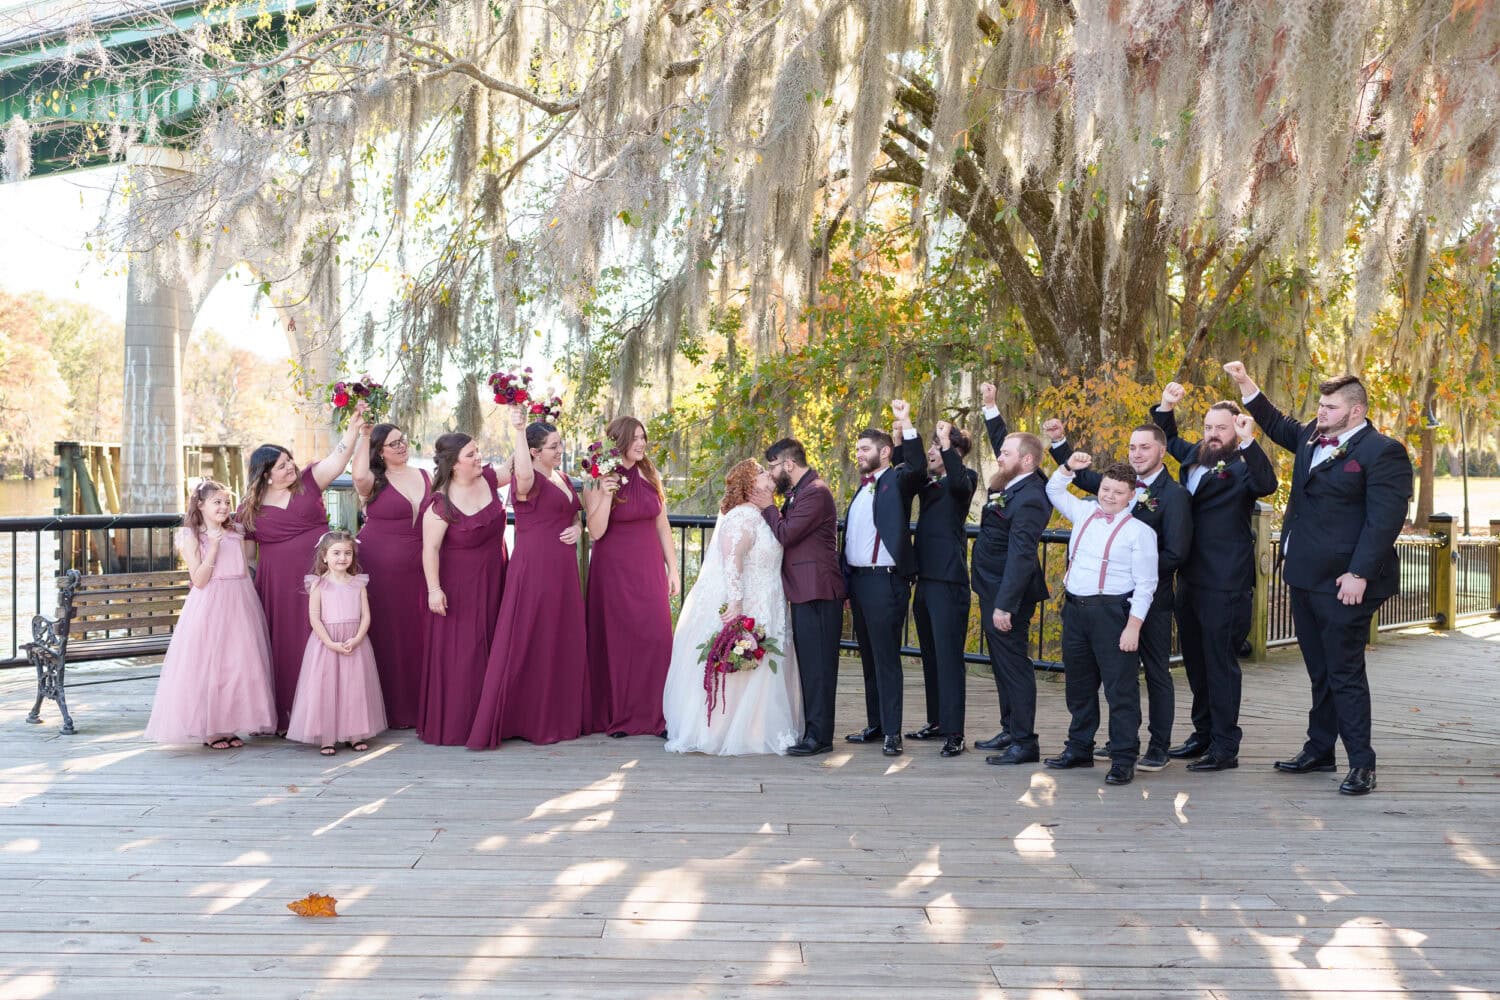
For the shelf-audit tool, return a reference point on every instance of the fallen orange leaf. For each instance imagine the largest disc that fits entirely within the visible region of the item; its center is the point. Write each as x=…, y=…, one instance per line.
x=314, y=905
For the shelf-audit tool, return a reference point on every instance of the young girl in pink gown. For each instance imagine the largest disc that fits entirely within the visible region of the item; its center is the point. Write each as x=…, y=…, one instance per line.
x=338, y=691
x=216, y=679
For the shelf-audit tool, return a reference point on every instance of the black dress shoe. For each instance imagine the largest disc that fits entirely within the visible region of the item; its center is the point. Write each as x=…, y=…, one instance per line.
x=1360, y=781
x=999, y=741
x=1214, y=762
x=869, y=734
x=927, y=732
x=1014, y=755
x=807, y=748
x=1120, y=773
x=1193, y=746
x=1306, y=763
x=892, y=747
x=952, y=746
x=1070, y=759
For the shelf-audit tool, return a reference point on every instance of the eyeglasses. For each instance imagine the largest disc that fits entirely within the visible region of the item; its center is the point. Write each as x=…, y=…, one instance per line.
x=398, y=443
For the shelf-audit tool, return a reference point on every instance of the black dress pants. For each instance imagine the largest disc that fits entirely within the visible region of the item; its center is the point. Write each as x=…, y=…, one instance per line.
x=1092, y=657
x=1206, y=626
x=878, y=600
x=815, y=635
x=1156, y=663
x=1015, y=674
x=1332, y=637
x=941, y=611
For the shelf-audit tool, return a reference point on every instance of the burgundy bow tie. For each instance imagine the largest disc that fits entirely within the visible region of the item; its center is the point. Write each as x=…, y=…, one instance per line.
x=1330, y=442
x=1141, y=484
x=866, y=480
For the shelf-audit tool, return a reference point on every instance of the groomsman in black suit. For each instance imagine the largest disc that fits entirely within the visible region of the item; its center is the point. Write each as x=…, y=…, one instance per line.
x=1164, y=506
x=941, y=605
x=807, y=527
x=879, y=563
x=1350, y=489
x=1226, y=473
x=1007, y=578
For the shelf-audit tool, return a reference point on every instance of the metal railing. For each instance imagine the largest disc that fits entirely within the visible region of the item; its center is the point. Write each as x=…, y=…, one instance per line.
x=37, y=547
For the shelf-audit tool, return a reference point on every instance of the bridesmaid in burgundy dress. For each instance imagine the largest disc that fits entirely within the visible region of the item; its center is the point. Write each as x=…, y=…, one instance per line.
x=632, y=577
x=283, y=513
x=535, y=682
x=463, y=562
x=390, y=550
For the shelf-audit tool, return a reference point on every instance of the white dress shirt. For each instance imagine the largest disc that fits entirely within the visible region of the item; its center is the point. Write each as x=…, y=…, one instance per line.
x=1131, y=568
x=860, y=533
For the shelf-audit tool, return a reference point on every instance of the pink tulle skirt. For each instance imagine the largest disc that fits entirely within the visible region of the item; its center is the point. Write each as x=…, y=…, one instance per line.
x=338, y=695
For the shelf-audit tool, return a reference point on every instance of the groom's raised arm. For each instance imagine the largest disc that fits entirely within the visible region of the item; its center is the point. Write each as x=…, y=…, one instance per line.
x=801, y=518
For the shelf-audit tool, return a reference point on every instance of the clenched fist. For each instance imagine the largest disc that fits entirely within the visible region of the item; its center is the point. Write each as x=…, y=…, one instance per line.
x=987, y=393
x=1053, y=428
x=1172, y=394
x=1080, y=460
x=901, y=409
x=1236, y=371
x=1244, y=426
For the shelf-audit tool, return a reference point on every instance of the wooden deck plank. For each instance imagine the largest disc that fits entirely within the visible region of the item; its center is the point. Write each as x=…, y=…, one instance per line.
x=609, y=867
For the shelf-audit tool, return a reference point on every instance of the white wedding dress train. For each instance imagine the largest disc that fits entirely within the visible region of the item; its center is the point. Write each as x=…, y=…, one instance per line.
x=760, y=710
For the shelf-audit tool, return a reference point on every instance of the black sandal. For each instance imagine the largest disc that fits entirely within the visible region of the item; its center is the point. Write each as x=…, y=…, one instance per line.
x=329, y=751
x=358, y=746
x=219, y=744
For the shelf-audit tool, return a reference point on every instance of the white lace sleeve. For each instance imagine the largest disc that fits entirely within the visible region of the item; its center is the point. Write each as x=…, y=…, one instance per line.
x=733, y=537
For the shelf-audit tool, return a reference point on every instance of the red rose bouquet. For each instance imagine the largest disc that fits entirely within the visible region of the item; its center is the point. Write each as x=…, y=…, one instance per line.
x=548, y=411
x=741, y=644
x=347, y=394
x=512, y=388
x=597, y=463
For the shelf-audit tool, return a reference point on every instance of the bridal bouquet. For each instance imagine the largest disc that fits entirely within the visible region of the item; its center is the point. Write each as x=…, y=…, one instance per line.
x=347, y=394
x=512, y=388
x=740, y=644
x=548, y=411
x=597, y=463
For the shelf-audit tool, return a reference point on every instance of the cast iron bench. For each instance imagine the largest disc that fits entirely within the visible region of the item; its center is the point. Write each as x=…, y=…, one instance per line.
x=99, y=618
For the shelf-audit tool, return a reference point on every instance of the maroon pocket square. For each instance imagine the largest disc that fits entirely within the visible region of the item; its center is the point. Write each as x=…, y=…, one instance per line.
x=1352, y=466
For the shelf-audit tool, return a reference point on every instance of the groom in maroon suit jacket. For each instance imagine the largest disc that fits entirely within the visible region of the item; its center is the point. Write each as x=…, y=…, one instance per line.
x=807, y=527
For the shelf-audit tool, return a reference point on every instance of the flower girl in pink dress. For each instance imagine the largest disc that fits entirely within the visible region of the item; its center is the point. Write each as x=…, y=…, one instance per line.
x=338, y=693
x=216, y=678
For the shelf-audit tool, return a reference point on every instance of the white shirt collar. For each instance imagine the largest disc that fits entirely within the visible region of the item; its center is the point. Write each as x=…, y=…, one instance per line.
x=1148, y=480
x=1017, y=480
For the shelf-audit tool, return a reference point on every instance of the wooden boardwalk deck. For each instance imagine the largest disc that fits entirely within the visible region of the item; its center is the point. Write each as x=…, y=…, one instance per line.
x=607, y=868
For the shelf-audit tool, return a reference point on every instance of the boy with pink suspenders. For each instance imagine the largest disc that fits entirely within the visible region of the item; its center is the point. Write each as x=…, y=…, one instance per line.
x=1112, y=566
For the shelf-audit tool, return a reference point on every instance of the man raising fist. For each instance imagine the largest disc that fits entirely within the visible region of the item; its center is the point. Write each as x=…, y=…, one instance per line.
x=1350, y=489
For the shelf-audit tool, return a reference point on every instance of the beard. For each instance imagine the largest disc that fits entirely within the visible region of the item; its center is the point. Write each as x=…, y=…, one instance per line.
x=1211, y=454
x=867, y=468
x=782, y=482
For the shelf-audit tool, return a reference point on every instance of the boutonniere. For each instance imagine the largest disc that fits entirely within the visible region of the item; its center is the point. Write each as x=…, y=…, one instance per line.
x=1220, y=470
x=934, y=480
x=1148, y=501
x=1338, y=453
x=997, y=501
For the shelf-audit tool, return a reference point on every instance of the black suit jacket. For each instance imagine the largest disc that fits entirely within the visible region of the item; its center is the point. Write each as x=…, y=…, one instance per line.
x=1166, y=508
x=1345, y=513
x=894, y=492
x=942, y=540
x=1222, y=554
x=1007, y=565
x=808, y=529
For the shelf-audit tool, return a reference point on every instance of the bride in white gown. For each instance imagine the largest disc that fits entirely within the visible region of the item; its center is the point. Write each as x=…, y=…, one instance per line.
x=760, y=710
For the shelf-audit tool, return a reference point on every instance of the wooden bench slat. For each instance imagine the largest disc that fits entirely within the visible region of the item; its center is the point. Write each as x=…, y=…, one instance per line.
x=128, y=607
x=156, y=578
x=121, y=624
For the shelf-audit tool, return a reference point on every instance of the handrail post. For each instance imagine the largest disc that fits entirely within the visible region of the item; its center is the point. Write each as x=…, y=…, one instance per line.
x=1494, y=566
x=1260, y=601
x=1444, y=579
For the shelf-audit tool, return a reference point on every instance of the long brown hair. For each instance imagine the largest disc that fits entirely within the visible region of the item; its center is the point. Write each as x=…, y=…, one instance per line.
x=328, y=541
x=621, y=431
x=738, y=482
x=262, y=461
x=192, y=519
x=445, y=454
x=378, y=434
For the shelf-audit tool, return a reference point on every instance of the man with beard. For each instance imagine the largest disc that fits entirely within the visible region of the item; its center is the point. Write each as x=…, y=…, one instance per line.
x=1165, y=507
x=1350, y=488
x=1226, y=473
x=807, y=528
x=878, y=563
x=1007, y=579
x=941, y=606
